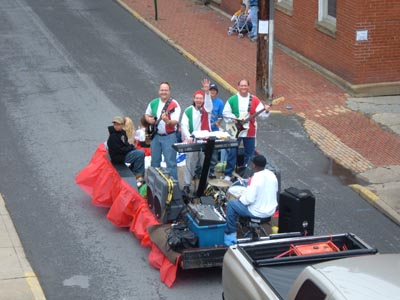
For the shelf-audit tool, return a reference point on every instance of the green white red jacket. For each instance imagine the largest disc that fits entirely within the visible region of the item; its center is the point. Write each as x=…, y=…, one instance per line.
x=191, y=118
x=154, y=109
x=238, y=107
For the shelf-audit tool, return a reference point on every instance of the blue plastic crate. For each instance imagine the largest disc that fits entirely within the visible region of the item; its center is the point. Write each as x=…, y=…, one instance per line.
x=209, y=236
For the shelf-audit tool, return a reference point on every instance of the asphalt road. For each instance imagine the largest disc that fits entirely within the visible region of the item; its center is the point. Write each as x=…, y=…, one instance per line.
x=66, y=68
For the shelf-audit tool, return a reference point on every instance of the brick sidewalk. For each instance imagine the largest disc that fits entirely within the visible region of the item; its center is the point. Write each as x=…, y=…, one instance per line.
x=349, y=137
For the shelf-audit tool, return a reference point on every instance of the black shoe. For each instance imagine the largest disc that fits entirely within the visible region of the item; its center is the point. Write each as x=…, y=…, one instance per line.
x=186, y=190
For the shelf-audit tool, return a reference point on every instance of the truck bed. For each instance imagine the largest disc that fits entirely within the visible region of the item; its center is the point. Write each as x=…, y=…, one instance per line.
x=280, y=272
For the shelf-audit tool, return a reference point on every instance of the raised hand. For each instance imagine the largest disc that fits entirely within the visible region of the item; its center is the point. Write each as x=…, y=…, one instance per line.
x=206, y=85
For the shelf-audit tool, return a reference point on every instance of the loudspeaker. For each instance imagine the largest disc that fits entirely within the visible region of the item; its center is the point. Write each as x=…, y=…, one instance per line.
x=157, y=194
x=296, y=211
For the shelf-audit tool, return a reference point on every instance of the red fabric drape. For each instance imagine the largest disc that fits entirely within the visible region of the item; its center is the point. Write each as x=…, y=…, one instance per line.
x=128, y=208
x=168, y=270
x=120, y=213
x=87, y=177
x=103, y=187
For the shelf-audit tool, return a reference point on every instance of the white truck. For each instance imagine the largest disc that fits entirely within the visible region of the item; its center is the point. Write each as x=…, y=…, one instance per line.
x=337, y=267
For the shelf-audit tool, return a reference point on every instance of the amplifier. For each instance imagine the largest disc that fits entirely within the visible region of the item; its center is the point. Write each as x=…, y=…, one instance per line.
x=157, y=195
x=205, y=215
x=296, y=211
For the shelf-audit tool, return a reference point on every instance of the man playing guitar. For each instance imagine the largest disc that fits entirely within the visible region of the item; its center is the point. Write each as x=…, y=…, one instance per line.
x=164, y=113
x=238, y=105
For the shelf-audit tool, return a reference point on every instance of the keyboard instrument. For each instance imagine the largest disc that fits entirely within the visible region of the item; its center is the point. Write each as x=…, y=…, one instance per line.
x=200, y=145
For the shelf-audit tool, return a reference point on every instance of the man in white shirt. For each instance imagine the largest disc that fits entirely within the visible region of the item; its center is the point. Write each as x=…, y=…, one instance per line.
x=258, y=201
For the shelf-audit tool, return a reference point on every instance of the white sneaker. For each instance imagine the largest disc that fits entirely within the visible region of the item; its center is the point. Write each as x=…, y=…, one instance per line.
x=227, y=178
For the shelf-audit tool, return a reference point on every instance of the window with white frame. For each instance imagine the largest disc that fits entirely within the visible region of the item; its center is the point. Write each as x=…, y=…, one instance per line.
x=285, y=6
x=327, y=12
x=288, y=2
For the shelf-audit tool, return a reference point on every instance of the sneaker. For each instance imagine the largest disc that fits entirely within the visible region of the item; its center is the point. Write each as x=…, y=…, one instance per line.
x=227, y=178
x=230, y=239
x=253, y=39
x=139, y=181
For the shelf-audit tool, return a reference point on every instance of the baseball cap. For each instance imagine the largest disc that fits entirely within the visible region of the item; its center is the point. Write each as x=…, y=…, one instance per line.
x=213, y=86
x=118, y=120
x=259, y=160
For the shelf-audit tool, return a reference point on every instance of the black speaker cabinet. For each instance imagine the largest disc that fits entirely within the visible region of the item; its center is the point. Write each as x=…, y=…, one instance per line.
x=157, y=193
x=296, y=211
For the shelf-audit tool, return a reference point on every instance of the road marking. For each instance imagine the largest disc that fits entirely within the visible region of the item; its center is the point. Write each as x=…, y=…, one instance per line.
x=35, y=286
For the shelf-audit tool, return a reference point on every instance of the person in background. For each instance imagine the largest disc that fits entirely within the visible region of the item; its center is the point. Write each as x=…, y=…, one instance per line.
x=242, y=13
x=218, y=108
x=167, y=111
x=121, y=151
x=254, y=20
x=129, y=128
x=258, y=201
x=195, y=118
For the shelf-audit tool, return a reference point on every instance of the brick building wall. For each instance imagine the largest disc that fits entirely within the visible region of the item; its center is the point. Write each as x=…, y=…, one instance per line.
x=359, y=62
x=374, y=61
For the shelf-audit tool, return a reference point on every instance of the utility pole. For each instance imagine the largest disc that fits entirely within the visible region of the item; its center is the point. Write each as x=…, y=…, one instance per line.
x=265, y=50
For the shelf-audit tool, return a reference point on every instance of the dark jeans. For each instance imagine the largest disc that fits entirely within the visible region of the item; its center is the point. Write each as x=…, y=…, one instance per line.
x=249, y=144
x=136, y=159
x=234, y=210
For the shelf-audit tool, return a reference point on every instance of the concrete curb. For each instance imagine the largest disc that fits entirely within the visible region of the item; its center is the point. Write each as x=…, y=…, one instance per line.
x=217, y=78
x=17, y=279
x=375, y=201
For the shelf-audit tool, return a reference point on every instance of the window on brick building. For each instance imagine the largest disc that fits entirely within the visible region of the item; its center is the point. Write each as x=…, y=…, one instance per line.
x=327, y=11
x=327, y=16
x=285, y=6
x=287, y=2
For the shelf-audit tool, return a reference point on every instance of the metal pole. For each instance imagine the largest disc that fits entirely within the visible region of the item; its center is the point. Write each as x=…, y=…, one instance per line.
x=270, y=48
x=155, y=10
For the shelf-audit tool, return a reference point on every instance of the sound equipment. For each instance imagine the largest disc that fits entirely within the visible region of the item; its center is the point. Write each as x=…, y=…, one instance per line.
x=205, y=215
x=160, y=186
x=296, y=211
x=200, y=145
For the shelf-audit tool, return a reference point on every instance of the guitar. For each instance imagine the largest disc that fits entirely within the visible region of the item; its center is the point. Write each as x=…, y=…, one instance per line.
x=240, y=125
x=151, y=129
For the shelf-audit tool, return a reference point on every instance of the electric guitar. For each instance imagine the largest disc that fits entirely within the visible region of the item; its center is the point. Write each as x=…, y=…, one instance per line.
x=239, y=126
x=151, y=129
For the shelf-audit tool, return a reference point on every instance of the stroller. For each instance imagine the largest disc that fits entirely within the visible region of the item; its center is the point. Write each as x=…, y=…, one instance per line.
x=241, y=25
